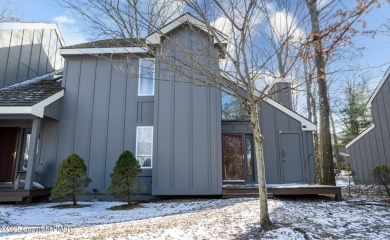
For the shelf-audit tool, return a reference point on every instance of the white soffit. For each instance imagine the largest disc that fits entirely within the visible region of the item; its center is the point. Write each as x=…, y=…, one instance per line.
x=155, y=38
x=37, y=110
x=306, y=125
x=387, y=74
x=95, y=51
x=367, y=130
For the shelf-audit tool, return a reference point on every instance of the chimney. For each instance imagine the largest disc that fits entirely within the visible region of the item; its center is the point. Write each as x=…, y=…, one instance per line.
x=281, y=92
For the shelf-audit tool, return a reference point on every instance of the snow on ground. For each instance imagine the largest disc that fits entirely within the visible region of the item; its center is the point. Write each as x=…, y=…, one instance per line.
x=364, y=215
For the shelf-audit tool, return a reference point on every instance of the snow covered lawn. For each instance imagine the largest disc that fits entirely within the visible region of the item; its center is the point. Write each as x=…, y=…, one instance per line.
x=362, y=216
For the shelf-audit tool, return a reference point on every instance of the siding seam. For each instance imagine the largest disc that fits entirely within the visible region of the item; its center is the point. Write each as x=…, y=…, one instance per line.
x=19, y=60
x=75, y=105
x=108, y=124
x=91, y=117
x=9, y=50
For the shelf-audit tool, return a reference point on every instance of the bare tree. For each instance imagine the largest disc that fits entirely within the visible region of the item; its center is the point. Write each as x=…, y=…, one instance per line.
x=242, y=72
x=124, y=18
x=7, y=12
x=329, y=29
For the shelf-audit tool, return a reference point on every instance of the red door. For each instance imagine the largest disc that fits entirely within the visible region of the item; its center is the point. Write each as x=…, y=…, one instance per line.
x=233, y=157
x=8, y=147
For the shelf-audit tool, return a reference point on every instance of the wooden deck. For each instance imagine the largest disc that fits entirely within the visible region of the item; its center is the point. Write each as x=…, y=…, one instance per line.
x=231, y=191
x=22, y=195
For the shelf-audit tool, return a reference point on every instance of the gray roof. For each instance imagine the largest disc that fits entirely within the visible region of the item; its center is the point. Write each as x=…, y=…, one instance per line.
x=30, y=92
x=110, y=43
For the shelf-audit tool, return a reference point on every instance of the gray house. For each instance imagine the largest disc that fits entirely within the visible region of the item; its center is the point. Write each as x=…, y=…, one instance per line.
x=372, y=147
x=118, y=95
x=27, y=51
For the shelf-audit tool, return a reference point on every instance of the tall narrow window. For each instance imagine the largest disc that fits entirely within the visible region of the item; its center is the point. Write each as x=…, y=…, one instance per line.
x=144, y=148
x=146, y=77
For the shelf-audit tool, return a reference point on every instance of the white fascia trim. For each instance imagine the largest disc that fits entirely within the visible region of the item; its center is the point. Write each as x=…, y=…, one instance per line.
x=306, y=125
x=367, y=130
x=92, y=51
x=155, y=38
x=20, y=26
x=387, y=74
x=36, y=110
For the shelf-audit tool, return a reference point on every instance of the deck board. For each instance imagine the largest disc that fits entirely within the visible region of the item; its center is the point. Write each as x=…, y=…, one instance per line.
x=22, y=195
x=280, y=190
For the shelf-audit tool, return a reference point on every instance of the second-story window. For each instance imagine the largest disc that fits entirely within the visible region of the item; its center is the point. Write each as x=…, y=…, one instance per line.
x=146, y=77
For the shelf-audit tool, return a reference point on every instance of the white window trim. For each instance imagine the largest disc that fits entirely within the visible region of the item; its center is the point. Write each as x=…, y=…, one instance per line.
x=136, y=146
x=139, y=76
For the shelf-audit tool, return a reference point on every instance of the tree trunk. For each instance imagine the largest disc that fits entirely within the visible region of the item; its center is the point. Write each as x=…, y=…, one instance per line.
x=325, y=150
x=335, y=144
x=265, y=221
x=316, y=143
x=74, y=199
x=308, y=82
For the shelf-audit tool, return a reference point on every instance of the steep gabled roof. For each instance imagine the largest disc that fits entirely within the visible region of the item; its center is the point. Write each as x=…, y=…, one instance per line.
x=111, y=43
x=387, y=74
x=187, y=18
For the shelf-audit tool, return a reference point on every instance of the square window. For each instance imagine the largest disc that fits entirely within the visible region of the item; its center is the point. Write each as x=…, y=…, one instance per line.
x=144, y=147
x=146, y=77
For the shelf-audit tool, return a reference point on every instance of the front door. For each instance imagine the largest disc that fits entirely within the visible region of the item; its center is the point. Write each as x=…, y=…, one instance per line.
x=8, y=148
x=233, y=157
x=291, y=157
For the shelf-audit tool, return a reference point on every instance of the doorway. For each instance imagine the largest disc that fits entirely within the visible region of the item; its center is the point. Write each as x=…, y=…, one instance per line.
x=291, y=157
x=233, y=157
x=9, y=138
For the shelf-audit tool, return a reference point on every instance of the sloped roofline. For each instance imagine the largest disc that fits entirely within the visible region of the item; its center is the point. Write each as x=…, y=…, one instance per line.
x=18, y=25
x=306, y=124
x=365, y=131
x=387, y=74
x=155, y=37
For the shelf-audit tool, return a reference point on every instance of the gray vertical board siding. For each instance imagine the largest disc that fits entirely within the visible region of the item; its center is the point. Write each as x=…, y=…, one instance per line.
x=14, y=57
x=84, y=106
x=281, y=92
x=25, y=55
x=186, y=162
x=99, y=116
x=68, y=111
x=53, y=110
x=100, y=108
x=5, y=40
x=35, y=53
x=115, y=118
x=28, y=53
x=373, y=149
x=43, y=58
x=48, y=147
x=269, y=129
x=272, y=123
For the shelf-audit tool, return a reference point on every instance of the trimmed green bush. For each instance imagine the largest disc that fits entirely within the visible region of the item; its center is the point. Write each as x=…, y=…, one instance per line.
x=123, y=176
x=72, y=179
x=382, y=174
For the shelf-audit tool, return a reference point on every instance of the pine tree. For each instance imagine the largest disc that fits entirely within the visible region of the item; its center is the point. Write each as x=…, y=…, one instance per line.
x=72, y=179
x=123, y=176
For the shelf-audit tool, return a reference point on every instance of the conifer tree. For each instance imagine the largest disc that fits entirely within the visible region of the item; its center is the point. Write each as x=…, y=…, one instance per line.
x=123, y=176
x=72, y=179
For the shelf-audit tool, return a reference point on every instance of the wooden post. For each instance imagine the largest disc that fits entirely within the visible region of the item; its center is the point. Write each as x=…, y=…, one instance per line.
x=36, y=126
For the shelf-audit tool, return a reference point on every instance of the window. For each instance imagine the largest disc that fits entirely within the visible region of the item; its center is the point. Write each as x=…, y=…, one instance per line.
x=232, y=109
x=144, y=147
x=146, y=77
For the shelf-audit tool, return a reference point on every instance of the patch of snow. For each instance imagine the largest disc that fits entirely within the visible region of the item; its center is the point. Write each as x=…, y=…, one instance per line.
x=33, y=80
x=363, y=216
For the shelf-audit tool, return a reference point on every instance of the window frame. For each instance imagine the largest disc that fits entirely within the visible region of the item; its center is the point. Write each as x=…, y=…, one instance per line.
x=139, y=75
x=136, y=146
